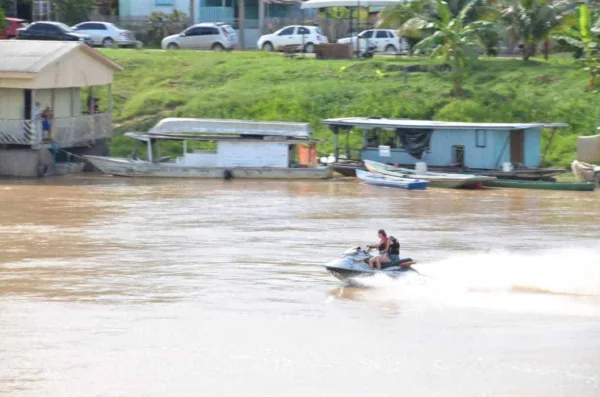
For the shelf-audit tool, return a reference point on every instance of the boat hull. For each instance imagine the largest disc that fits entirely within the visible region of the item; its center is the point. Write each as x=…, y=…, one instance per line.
x=543, y=185
x=585, y=172
x=439, y=180
x=138, y=168
x=387, y=181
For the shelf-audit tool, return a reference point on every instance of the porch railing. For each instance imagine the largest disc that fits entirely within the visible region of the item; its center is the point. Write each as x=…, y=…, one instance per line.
x=66, y=131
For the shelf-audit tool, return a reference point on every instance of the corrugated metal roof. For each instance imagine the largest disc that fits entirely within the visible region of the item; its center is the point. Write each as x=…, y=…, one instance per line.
x=175, y=125
x=32, y=56
x=368, y=122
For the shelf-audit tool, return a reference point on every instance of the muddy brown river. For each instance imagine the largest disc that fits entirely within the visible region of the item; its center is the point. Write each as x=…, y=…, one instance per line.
x=123, y=287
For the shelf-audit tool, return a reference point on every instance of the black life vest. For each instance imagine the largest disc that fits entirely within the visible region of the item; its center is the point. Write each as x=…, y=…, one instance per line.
x=395, y=248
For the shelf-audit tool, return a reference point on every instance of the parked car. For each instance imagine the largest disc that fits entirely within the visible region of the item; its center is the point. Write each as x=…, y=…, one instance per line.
x=47, y=30
x=10, y=30
x=385, y=40
x=305, y=36
x=203, y=36
x=106, y=34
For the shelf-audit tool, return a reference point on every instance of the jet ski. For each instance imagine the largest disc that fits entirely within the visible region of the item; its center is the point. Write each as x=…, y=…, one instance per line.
x=354, y=262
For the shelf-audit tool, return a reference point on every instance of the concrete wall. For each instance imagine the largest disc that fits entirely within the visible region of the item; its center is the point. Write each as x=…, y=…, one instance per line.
x=12, y=103
x=26, y=162
x=134, y=8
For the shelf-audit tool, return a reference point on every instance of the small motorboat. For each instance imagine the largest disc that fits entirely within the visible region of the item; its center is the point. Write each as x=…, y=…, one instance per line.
x=354, y=263
x=435, y=179
x=391, y=181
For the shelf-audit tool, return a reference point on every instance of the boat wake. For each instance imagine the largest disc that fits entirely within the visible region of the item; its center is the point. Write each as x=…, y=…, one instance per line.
x=556, y=280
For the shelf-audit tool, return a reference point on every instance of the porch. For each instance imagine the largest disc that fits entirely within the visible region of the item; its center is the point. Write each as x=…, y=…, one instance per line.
x=67, y=132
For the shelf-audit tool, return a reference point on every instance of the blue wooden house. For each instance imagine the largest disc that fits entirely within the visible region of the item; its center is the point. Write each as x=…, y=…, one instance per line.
x=444, y=144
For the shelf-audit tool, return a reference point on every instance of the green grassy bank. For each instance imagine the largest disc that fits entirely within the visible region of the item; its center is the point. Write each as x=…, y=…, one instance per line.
x=259, y=86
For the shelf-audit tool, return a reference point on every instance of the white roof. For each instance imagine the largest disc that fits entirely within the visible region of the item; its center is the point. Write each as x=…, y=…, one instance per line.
x=367, y=122
x=32, y=56
x=237, y=127
x=350, y=3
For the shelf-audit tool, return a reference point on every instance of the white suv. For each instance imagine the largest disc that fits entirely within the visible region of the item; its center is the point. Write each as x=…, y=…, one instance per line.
x=306, y=37
x=203, y=36
x=386, y=40
x=107, y=34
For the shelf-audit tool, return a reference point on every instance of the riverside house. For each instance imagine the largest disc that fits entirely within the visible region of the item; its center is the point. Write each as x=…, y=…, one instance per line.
x=66, y=77
x=485, y=146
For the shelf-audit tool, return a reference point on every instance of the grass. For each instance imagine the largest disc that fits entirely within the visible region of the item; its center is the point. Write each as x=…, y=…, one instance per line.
x=260, y=86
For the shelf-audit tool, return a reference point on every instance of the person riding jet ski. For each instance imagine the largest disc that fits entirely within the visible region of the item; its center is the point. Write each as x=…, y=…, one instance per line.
x=384, y=247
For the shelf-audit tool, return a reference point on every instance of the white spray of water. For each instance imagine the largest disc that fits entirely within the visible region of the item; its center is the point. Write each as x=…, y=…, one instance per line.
x=545, y=281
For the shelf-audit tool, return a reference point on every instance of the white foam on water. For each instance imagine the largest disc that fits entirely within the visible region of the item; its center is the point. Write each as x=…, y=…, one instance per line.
x=556, y=281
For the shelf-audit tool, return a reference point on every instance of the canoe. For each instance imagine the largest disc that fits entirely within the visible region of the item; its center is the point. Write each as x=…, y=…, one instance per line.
x=387, y=181
x=544, y=185
x=436, y=179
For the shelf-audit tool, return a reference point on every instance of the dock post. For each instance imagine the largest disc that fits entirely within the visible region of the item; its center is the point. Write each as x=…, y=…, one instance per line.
x=336, y=148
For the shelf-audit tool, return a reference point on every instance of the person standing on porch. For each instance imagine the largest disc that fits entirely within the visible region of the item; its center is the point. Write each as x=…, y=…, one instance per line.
x=47, y=124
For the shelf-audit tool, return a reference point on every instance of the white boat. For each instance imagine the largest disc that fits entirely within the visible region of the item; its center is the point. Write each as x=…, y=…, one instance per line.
x=436, y=179
x=388, y=181
x=242, y=151
x=585, y=172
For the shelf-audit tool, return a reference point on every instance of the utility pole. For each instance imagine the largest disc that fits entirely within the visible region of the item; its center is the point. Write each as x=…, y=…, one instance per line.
x=241, y=19
x=192, y=12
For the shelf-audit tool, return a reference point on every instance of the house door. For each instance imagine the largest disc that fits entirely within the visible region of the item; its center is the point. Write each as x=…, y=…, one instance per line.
x=517, y=143
x=28, y=105
x=458, y=156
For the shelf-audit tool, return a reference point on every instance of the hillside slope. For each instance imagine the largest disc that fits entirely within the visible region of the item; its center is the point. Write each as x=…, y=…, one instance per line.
x=258, y=86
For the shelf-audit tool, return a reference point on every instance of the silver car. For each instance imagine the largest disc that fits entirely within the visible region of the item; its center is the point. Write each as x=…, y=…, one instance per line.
x=106, y=34
x=203, y=36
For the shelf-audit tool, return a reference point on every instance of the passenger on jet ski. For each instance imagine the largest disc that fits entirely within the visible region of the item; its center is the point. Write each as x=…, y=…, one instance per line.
x=383, y=246
x=393, y=253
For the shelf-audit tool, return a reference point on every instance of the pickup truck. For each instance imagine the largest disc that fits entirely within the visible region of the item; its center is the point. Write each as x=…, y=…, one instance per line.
x=54, y=31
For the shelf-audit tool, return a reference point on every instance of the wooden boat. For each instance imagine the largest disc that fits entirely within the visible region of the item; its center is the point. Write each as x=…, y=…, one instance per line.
x=543, y=185
x=245, y=149
x=526, y=174
x=585, y=172
x=348, y=167
x=390, y=181
x=435, y=179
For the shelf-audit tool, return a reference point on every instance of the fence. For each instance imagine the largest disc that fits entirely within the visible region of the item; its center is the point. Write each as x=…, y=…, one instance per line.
x=66, y=131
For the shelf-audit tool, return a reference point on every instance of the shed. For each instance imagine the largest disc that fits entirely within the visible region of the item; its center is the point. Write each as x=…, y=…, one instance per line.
x=443, y=143
x=67, y=78
x=53, y=74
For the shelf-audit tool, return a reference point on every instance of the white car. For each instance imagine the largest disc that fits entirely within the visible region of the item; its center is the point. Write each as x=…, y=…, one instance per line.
x=203, y=36
x=306, y=37
x=386, y=40
x=106, y=34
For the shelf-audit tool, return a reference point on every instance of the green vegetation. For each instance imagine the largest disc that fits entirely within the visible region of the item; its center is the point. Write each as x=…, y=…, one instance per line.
x=260, y=86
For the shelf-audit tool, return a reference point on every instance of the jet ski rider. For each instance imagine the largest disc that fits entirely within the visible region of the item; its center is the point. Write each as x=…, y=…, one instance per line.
x=393, y=253
x=384, y=247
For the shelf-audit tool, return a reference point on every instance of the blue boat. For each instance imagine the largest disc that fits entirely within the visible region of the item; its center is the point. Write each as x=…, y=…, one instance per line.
x=391, y=181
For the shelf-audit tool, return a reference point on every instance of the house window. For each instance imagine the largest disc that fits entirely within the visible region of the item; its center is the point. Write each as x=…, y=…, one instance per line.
x=377, y=137
x=480, y=137
x=163, y=2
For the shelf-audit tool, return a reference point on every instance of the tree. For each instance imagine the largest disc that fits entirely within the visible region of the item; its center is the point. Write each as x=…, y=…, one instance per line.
x=532, y=22
x=454, y=40
x=411, y=17
x=582, y=34
x=72, y=12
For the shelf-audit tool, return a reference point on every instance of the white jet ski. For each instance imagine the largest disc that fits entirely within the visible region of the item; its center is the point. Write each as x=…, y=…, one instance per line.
x=354, y=262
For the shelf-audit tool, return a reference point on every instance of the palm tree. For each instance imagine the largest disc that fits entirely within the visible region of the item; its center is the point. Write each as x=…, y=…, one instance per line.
x=585, y=36
x=413, y=17
x=532, y=22
x=454, y=40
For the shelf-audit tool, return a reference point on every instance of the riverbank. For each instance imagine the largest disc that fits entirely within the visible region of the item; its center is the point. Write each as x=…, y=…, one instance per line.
x=261, y=86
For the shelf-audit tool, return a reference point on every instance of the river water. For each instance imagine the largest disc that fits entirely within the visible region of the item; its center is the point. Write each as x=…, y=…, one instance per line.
x=122, y=287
